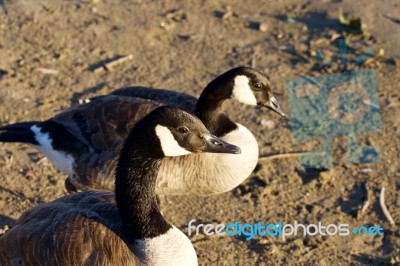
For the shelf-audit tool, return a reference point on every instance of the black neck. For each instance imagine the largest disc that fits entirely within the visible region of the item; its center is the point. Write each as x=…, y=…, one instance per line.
x=135, y=181
x=209, y=106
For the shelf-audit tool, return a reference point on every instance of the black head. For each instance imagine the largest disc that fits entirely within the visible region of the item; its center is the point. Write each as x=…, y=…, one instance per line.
x=247, y=86
x=179, y=133
x=253, y=88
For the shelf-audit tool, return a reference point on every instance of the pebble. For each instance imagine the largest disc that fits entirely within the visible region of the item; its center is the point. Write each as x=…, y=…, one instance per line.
x=267, y=123
x=263, y=27
x=366, y=170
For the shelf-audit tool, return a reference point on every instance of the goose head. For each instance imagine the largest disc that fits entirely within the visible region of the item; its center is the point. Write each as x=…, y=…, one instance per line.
x=170, y=131
x=243, y=84
x=253, y=88
x=181, y=133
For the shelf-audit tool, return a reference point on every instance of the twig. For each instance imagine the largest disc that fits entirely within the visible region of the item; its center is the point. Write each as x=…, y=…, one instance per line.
x=109, y=64
x=366, y=202
x=289, y=155
x=383, y=206
x=47, y=70
x=42, y=160
x=282, y=155
x=392, y=18
x=117, y=61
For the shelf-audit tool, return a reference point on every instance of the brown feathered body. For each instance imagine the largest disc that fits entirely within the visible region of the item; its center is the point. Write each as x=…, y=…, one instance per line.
x=87, y=220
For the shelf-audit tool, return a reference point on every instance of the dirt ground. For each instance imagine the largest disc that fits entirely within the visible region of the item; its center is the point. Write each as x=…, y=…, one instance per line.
x=51, y=54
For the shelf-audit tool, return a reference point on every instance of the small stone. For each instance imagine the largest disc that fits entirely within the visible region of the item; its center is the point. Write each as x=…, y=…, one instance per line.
x=263, y=241
x=167, y=25
x=381, y=52
x=291, y=19
x=267, y=123
x=263, y=27
x=366, y=170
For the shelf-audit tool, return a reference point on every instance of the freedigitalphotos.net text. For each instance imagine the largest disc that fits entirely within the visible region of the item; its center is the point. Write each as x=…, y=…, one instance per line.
x=281, y=230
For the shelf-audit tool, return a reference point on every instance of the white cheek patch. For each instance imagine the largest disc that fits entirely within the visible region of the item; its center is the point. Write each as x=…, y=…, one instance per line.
x=242, y=92
x=169, y=145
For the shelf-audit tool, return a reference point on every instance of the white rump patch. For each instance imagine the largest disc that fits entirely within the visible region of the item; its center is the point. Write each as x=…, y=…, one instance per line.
x=169, y=145
x=61, y=160
x=242, y=92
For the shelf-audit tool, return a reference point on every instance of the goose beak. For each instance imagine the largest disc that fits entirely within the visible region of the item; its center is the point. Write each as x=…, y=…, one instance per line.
x=216, y=145
x=273, y=105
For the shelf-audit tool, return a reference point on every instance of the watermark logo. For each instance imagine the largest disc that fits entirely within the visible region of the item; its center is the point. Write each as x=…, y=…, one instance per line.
x=340, y=104
x=249, y=231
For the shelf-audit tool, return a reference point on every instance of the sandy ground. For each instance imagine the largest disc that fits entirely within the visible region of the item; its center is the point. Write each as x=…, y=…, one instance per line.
x=49, y=57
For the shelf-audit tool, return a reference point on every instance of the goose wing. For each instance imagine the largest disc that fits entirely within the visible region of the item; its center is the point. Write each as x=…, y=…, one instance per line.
x=94, y=171
x=104, y=123
x=167, y=97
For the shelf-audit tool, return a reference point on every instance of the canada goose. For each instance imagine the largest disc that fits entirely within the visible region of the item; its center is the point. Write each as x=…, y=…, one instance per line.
x=84, y=141
x=125, y=228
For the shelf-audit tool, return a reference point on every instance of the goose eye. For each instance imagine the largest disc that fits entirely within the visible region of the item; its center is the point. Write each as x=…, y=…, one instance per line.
x=183, y=130
x=258, y=86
